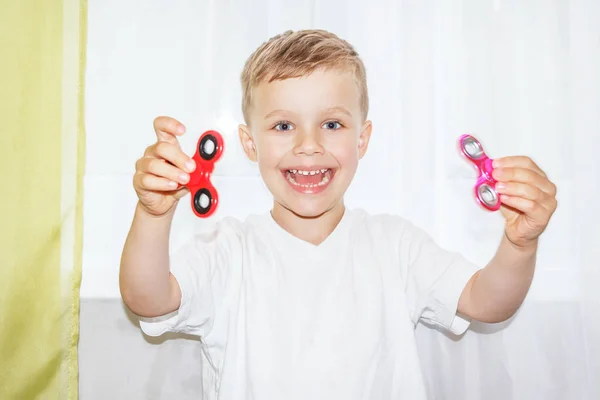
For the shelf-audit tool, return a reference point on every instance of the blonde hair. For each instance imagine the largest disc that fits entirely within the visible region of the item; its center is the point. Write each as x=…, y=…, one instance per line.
x=296, y=54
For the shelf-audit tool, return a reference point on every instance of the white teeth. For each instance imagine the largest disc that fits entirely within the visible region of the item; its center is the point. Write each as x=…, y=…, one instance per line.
x=313, y=172
x=292, y=172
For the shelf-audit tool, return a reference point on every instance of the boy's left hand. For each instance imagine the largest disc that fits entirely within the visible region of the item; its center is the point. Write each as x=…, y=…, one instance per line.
x=528, y=198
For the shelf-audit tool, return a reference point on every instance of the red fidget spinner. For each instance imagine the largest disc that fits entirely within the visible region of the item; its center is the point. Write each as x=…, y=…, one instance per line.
x=204, y=196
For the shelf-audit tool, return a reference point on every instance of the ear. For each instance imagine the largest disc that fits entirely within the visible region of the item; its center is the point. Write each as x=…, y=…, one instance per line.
x=363, y=139
x=247, y=142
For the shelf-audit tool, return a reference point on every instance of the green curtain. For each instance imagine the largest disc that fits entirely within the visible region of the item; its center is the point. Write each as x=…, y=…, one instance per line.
x=42, y=63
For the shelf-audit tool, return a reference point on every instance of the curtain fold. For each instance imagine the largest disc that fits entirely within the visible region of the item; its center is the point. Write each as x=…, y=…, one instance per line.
x=41, y=109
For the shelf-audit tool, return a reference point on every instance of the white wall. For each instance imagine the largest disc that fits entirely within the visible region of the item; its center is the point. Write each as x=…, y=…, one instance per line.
x=522, y=76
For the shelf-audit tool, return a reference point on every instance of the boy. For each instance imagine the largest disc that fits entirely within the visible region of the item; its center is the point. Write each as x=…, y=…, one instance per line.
x=312, y=300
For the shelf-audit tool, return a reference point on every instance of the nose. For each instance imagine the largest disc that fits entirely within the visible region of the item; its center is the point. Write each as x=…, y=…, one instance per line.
x=309, y=142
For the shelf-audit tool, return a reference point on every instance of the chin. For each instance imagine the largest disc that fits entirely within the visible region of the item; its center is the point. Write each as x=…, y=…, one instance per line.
x=308, y=210
x=310, y=205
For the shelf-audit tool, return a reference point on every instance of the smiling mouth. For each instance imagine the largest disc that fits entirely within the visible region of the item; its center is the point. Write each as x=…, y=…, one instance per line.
x=309, y=180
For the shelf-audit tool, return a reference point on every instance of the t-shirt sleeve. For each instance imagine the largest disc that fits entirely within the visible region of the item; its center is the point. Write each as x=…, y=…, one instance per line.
x=435, y=278
x=205, y=268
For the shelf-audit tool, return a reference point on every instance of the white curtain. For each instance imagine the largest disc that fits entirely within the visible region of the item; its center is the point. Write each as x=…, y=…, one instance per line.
x=523, y=76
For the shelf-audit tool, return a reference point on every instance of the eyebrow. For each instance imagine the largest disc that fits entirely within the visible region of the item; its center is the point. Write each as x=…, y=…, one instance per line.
x=339, y=109
x=275, y=112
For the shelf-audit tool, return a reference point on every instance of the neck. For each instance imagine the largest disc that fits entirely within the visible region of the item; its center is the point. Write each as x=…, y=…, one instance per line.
x=310, y=229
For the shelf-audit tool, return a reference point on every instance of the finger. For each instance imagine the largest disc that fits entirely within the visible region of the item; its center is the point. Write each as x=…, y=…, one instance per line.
x=182, y=191
x=518, y=162
x=529, y=192
x=524, y=175
x=163, y=169
x=167, y=129
x=172, y=154
x=532, y=209
x=154, y=183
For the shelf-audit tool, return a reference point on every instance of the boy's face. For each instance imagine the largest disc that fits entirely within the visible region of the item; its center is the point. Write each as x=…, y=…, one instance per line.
x=307, y=135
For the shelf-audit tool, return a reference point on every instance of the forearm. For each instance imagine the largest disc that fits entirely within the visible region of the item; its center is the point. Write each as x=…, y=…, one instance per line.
x=498, y=290
x=145, y=279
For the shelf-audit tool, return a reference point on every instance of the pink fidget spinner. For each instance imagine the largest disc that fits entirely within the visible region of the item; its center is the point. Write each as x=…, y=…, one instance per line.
x=205, y=198
x=485, y=187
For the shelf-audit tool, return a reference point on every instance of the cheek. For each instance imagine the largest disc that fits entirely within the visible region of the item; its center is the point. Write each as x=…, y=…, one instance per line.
x=345, y=151
x=350, y=164
x=269, y=153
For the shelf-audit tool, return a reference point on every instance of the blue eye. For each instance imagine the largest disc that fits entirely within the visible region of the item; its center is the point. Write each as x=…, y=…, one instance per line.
x=283, y=126
x=333, y=125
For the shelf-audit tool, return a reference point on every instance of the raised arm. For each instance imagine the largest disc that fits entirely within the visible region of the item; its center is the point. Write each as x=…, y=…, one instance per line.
x=146, y=284
x=496, y=292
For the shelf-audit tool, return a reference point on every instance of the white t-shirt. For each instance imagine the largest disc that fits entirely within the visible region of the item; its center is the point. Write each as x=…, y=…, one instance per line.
x=280, y=318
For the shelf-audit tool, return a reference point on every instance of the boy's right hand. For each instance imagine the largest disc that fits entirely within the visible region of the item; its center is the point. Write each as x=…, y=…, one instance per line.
x=164, y=168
